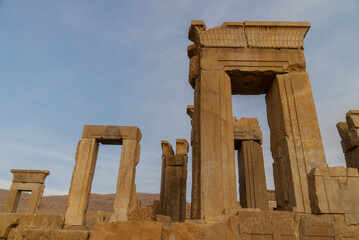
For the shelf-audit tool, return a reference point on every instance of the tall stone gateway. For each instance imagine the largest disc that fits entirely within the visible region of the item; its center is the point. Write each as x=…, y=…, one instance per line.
x=251, y=58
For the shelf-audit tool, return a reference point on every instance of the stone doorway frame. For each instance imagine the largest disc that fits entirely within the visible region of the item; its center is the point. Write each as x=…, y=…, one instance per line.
x=26, y=181
x=86, y=157
x=251, y=58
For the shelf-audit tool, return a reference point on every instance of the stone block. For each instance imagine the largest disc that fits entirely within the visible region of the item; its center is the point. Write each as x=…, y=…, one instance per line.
x=141, y=214
x=333, y=190
x=274, y=225
x=29, y=176
x=7, y=222
x=276, y=34
x=144, y=230
x=316, y=227
x=53, y=234
x=40, y=221
x=353, y=119
x=349, y=134
x=111, y=134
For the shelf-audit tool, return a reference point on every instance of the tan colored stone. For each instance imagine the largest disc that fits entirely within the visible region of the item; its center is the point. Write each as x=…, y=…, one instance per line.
x=7, y=222
x=126, y=199
x=53, y=234
x=40, y=221
x=351, y=219
x=174, y=180
x=296, y=143
x=141, y=214
x=314, y=227
x=86, y=157
x=29, y=176
x=80, y=189
x=250, y=34
x=240, y=58
x=163, y=218
x=144, y=230
x=349, y=133
x=334, y=190
x=242, y=132
x=26, y=180
x=252, y=181
x=111, y=134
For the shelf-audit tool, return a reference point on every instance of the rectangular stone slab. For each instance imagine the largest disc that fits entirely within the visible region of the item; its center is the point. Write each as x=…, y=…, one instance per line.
x=111, y=134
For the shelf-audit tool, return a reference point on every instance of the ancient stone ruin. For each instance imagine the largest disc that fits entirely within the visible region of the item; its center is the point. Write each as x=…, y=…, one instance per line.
x=29, y=181
x=312, y=200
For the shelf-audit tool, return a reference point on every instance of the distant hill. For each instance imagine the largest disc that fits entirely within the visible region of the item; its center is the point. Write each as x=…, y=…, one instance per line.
x=57, y=204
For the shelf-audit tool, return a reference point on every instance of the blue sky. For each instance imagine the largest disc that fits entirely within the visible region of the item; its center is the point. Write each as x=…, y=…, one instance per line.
x=64, y=64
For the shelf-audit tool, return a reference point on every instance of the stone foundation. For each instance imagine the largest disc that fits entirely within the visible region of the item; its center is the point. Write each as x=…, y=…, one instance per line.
x=246, y=224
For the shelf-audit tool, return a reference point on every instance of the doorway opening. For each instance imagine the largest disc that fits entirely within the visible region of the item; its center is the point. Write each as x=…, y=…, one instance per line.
x=254, y=106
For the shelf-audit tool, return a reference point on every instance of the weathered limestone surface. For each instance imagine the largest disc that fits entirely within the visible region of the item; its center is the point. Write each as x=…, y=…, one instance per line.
x=141, y=214
x=126, y=199
x=296, y=143
x=334, y=190
x=174, y=180
x=86, y=156
x=265, y=225
x=80, y=189
x=349, y=133
x=7, y=222
x=53, y=234
x=252, y=181
x=251, y=58
x=26, y=180
x=144, y=230
x=196, y=166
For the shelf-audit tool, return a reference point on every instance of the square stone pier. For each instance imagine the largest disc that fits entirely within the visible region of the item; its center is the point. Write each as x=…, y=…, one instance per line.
x=174, y=180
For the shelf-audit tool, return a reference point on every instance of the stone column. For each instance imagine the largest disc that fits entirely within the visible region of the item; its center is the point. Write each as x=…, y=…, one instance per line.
x=349, y=133
x=173, y=193
x=126, y=198
x=26, y=180
x=252, y=181
x=296, y=143
x=79, y=193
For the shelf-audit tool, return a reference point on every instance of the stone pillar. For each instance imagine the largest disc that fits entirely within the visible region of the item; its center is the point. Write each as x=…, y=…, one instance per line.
x=216, y=143
x=26, y=180
x=296, y=143
x=174, y=179
x=252, y=181
x=349, y=133
x=126, y=198
x=167, y=150
x=195, y=193
x=81, y=182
